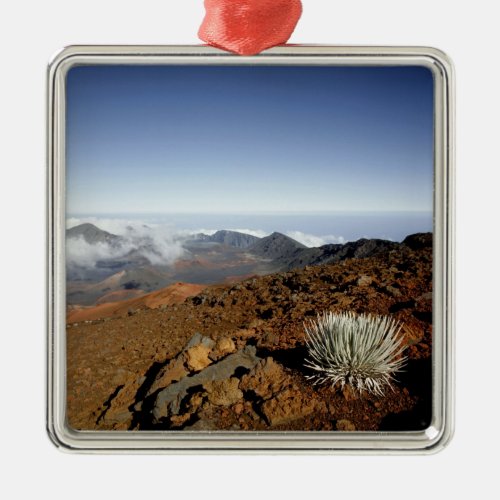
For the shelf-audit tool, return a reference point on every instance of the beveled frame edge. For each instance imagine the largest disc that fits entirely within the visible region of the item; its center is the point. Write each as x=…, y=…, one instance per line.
x=431, y=440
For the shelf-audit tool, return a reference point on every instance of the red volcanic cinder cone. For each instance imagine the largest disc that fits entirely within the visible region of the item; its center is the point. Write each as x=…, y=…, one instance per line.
x=248, y=27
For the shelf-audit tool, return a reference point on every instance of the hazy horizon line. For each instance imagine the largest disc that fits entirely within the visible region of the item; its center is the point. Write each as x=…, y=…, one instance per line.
x=277, y=212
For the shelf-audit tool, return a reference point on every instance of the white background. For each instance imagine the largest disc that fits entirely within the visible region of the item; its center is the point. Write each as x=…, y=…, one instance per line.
x=31, y=31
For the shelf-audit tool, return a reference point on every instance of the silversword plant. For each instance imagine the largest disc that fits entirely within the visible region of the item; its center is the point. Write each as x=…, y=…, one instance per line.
x=363, y=351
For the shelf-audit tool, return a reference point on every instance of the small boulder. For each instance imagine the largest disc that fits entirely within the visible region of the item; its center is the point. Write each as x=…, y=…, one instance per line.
x=197, y=352
x=345, y=425
x=391, y=290
x=425, y=297
x=223, y=347
x=173, y=372
x=223, y=392
x=197, y=357
x=364, y=280
x=266, y=379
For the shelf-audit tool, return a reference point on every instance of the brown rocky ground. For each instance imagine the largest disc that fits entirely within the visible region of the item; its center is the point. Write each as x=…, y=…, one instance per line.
x=231, y=357
x=173, y=294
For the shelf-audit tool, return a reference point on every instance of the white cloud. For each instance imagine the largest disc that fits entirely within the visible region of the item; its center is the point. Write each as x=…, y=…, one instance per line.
x=79, y=253
x=161, y=244
x=252, y=232
x=310, y=240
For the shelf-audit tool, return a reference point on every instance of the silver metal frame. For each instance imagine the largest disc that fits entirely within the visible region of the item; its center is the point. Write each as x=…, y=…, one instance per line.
x=430, y=440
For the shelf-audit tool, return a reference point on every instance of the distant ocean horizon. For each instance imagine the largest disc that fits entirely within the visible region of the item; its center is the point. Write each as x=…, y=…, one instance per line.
x=312, y=229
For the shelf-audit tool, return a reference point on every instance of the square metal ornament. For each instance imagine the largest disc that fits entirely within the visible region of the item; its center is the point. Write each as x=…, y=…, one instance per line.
x=250, y=254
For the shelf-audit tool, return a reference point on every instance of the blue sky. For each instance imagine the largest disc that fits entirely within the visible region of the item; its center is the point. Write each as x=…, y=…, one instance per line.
x=205, y=139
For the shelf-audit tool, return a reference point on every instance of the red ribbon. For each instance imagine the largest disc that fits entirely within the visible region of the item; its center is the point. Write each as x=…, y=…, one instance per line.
x=248, y=27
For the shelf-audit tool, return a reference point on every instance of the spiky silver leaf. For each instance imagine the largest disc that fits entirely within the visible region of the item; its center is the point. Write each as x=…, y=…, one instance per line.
x=363, y=351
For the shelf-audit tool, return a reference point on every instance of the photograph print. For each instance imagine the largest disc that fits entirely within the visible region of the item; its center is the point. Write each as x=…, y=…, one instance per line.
x=249, y=247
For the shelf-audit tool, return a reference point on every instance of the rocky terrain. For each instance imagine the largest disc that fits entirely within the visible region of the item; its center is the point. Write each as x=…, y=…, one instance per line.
x=173, y=294
x=232, y=356
x=128, y=266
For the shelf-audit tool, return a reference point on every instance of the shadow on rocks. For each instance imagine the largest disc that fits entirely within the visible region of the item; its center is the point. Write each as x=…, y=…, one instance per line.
x=417, y=378
x=293, y=358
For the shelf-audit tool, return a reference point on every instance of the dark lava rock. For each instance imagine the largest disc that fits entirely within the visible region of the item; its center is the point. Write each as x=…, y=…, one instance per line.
x=418, y=241
x=168, y=400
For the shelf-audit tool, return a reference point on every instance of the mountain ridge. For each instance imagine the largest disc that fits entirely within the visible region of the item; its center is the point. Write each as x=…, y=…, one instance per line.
x=210, y=260
x=276, y=246
x=92, y=234
x=231, y=238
